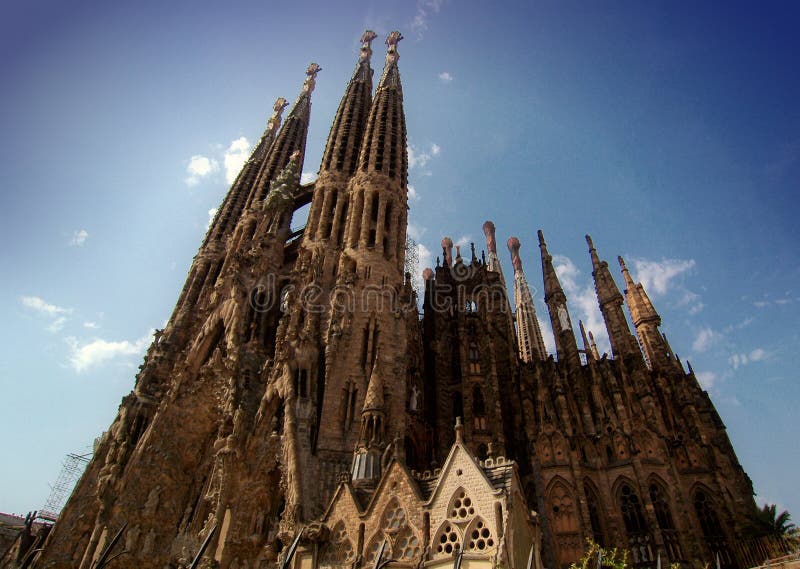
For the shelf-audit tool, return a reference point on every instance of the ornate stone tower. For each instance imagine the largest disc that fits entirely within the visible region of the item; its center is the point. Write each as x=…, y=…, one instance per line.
x=296, y=396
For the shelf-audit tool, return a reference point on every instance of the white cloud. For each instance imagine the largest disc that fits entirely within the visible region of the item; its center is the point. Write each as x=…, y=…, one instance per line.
x=739, y=360
x=463, y=241
x=446, y=77
x=235, y=157
x=657, y=276
x=707, y=379
x=199, y=167
x=583, y=298
x=706, y=338
x=412, y=194
x=79, y=237
x=308, y=177
x=416, y=232
x=43, y=307
x=419, y=158
x=91, y=325
x=98, y=351
x=425, y=8
x=57, y=324
x=211, y=214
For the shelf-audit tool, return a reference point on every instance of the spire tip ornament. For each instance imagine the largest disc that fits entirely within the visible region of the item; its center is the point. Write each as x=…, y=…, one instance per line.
x=366, y=46
x=391, y=47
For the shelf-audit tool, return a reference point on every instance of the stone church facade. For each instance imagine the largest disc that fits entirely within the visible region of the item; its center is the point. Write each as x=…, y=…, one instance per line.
x=297, y=390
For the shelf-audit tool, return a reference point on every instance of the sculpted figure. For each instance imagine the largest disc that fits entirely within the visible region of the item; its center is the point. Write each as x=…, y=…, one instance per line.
x=563, y=318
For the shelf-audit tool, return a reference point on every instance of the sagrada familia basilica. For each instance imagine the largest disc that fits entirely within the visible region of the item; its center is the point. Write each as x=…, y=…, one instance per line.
x=299, y=410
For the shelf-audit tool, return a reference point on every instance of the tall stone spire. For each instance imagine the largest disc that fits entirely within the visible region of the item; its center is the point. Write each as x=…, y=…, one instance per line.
x=378, y=191
x=556, y=300
x=529, y=335
x=328, y=214
x=587, y=349
x=367, y=459
x=610, y=300
x=384, y=148
x=231, y=208
x=290, y=139
x=646, y=321
x=491, y=246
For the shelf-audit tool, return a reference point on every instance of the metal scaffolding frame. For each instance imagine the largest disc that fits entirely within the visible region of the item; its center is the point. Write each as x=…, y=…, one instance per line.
x=71, y=471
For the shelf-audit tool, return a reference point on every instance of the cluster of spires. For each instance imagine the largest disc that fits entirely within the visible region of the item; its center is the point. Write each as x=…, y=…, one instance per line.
x=652, y=345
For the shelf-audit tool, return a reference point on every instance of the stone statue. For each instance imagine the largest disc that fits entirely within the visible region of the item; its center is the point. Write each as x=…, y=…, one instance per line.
x=563, y=318
x=412, y=400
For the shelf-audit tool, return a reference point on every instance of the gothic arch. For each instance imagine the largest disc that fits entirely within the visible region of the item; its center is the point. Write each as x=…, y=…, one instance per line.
x=461, y=506
x=595, y=509
x=478, y=537
x=447, y=541
x=563, y=515
x=662, y=506
x=339, y=551
x=640, y=540
x=394, y=516
x=706, y=510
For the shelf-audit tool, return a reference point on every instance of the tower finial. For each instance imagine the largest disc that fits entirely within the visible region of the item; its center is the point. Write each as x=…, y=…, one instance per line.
x=366, y=46
x=391, y=47
x=311, y=78
x=625, y=273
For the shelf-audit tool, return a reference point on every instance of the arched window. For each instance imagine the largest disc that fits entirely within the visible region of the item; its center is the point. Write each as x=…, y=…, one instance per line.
x=593, y=505
x=478, y=536
x=474, y=358
x=339, y=551
x=639, y=540
x=712, y=529
x=478, y=409
x=664, y=517
x=564, y=524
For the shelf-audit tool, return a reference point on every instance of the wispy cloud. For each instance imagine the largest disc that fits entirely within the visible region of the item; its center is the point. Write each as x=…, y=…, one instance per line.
x=91, y=325
x=425, y=8
x=707, y=379
x=198, y=168
x=235, y=157
x=43, y=307
x=705, y=338
x=211, y=214
x=582, y=297
x=446, y=77
x=418, y=158
x=84, y=356
x=658, y=277
x=308, y=177
x=742, y=359
x=412, y=193
x=79, y=237
x=547, y=332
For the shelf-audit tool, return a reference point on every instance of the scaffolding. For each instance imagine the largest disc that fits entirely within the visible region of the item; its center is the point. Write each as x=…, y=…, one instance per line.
x=71, y=471
x=412, y=260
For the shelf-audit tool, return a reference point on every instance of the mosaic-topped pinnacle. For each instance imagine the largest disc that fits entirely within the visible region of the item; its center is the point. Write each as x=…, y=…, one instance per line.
x=447, y=250
x=391, y=46
x=491, y=241
x=366, y=46
x=274, y=121
x=311, y=78
x=513, y=247
x=427, y=274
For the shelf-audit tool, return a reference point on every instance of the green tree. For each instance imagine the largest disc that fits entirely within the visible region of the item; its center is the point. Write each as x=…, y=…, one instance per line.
x=770, y=523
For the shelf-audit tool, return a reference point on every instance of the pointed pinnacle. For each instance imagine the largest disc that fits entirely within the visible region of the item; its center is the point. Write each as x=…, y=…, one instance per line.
x=625, y=273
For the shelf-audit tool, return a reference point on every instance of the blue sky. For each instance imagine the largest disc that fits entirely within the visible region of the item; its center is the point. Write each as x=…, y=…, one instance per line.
x=670, y=132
